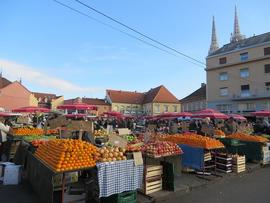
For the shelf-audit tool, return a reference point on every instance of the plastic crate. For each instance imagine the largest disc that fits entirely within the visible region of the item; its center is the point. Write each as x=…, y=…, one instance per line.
x=124, y=197
x=127, y=197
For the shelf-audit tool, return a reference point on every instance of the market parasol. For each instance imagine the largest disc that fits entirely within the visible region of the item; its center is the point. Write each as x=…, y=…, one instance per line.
x=261, y=113
x=113, y=113
x=237, y=117
x=79, y=115
x=78, y=106
x=211, y=113
x=31, y=109
x=8, y=114
x=176, y=114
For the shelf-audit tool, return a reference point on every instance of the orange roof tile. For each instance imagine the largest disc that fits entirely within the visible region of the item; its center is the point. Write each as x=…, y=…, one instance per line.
x=127, y=97
x=159, y=94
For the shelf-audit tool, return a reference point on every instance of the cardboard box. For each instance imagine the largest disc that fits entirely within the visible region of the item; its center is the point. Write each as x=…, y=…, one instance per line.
x=10, y=173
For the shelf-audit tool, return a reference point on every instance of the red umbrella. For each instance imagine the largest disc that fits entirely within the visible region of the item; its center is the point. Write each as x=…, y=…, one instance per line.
x=261, y=113
x=79, y=115
x=7, y=114
x=113, y=113
x=211, y=113
x=176, y=114
x=237, y=117
x=78, y=106
x=31, y=109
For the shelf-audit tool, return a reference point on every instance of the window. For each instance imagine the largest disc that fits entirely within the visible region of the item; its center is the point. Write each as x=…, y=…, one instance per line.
x=251, y=106
x=267, y=68
x=244, y=73
x=244, y=56
x=267, y=87
x=157, y=108
x=245, y=91
x=223, y=91
x=166, y=108
x=174, y=108
x=267, y=51
x=223, y=76
x=224, y=107
x=223, y=60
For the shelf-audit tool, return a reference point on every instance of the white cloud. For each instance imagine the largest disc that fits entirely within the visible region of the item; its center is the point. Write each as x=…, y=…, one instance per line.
x=14, y=70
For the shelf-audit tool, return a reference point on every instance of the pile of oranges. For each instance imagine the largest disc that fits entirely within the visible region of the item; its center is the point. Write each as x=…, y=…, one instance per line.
x=27, y=131
x=249, y=138
x=66, y=154
x=193, y=140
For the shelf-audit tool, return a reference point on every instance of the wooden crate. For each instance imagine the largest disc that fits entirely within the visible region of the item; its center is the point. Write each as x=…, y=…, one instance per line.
x=152, y=171
x=153, y=185
x=152, y=179
x=207, y=156
x=239, y=168
x=239, y=160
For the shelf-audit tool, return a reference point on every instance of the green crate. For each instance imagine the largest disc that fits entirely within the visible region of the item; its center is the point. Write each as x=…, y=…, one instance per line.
x=124, y=197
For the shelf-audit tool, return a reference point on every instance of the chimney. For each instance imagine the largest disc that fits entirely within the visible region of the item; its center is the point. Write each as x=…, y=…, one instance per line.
x=203, y=84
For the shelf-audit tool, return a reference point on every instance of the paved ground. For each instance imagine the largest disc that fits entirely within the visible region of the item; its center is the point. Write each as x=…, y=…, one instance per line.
x=250, y=188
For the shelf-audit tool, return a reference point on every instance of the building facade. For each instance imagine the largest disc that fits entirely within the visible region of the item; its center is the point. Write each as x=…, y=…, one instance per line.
x=47, y=100
x=196, y=101
x=102, y=104
x=14, y=95
x=156, y=101
x=238, y=74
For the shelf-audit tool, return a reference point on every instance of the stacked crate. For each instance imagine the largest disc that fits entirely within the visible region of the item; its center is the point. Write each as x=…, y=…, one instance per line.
x=239, y=163
x=223, y=162
x=153, y=179
x=266, y=153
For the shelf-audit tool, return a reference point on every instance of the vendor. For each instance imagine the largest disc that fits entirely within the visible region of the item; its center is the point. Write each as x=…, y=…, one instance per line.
x=230, y=126
x=4, y=129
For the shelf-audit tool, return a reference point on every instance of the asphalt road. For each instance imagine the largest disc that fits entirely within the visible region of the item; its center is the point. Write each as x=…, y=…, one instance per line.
x=248, y=188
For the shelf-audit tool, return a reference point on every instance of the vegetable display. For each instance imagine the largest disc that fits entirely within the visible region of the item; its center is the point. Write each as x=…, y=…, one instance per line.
x=66, y=154
x=100, y=133
x=193, y=140
x=109, y=154
x=249, y=138
x=30, y=138
x=162, y=148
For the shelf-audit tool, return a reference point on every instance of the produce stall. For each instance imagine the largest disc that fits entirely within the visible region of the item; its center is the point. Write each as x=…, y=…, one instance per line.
x=253, y=147
x=199, y=151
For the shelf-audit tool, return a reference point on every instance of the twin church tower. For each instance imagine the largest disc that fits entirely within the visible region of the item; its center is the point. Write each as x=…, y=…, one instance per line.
x=235, y=36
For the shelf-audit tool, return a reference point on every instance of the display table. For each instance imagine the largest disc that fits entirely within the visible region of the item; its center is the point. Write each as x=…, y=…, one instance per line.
x=117, y=177
x=193, y=157
x=41, y=178
x=252, y=150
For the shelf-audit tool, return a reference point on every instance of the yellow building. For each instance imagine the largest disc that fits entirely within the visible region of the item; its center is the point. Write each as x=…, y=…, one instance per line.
x=47, y=100
x=238, y=74
x=155, y=101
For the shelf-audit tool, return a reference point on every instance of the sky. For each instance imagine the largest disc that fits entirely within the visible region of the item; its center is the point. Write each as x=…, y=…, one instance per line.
x=56, y=50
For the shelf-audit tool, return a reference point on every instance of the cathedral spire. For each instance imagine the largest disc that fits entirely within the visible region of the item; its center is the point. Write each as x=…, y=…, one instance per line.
x=236, y=35
x=214, y=43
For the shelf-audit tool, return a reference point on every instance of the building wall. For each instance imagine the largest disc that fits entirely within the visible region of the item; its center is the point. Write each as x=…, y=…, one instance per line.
x=33, y=100
x=148, y=109
x=15, y=96
x=159, y=108
x=256, y=80
x=192, y=106
x=57, y=102
x=123, y=107
x=102, y=109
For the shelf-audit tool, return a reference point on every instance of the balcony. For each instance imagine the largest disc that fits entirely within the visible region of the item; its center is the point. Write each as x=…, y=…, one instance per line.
x=248, y=95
